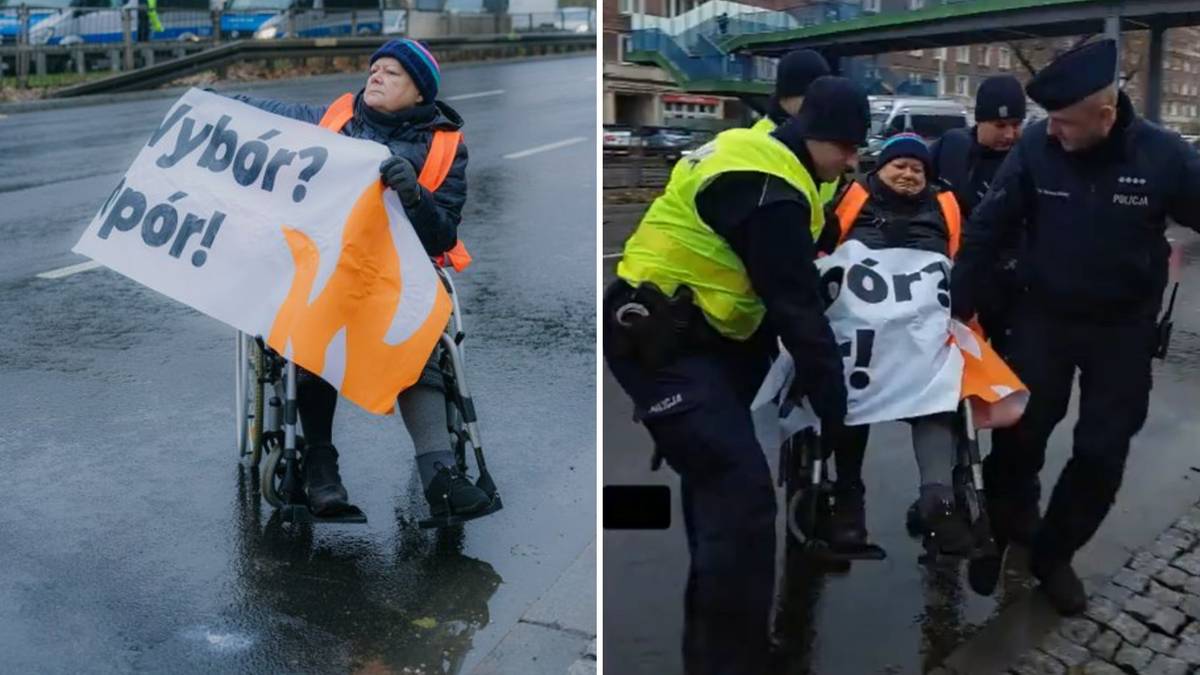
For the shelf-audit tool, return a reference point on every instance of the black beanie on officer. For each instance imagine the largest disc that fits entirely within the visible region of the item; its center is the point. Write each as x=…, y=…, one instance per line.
x=835, y=109
x=1000, y=97
x=797, y=70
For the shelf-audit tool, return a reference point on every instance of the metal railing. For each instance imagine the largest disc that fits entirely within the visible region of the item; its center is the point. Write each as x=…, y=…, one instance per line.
x=578, y=20
x=826, y=12
x=694, y=44
x=635, y=172
x=803, y=16
x=448, y=49
x=41, y=42
x=712, y=66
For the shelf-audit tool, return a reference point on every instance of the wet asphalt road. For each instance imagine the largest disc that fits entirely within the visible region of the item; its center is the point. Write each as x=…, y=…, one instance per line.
x=130, y=543
x=896, y=616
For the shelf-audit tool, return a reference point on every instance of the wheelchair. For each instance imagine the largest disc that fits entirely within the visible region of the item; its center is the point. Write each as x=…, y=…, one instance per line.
x=270, y=439
x=804, y=475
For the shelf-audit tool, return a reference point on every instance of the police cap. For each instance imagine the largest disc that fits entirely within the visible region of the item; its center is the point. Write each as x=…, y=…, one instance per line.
x=1075, y=75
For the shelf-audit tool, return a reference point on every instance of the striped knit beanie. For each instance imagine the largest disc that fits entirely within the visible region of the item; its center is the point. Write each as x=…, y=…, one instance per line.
x=417, y=62
x=906, y=145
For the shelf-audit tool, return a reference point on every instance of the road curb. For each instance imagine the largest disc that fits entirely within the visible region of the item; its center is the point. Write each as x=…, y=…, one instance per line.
x=586, y=665
x=557, y=632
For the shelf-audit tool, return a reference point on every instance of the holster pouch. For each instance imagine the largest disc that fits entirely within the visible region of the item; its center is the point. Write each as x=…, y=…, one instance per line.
x=652, y=327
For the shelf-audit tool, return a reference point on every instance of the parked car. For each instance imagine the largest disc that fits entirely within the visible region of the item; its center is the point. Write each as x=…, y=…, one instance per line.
x=617, y=140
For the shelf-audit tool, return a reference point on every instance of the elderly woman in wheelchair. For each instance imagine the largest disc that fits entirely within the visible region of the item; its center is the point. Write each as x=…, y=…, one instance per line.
x=894, y=233
x=397, y=107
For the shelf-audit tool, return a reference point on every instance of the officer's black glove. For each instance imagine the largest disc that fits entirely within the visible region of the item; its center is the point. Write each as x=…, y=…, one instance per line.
x=400, y=175
x=828, y=401
x=961, y=306
x=830, y=235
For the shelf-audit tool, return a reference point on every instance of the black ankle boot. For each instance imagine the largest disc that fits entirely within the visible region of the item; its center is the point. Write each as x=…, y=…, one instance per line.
x=1060, y=584
x=451, y=493
x=848, y=522
x=323, y=484
x=913, y=523
x=941, y=522
x=1014, y=519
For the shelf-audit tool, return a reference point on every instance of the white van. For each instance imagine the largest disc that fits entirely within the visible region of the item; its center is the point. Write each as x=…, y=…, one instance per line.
x=926, y=117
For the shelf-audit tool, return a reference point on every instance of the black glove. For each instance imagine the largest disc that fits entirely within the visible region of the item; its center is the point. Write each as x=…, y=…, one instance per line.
x=963, y=309
x=962, y=296
x=830, y=234
x=400, y=175
x=828, y=401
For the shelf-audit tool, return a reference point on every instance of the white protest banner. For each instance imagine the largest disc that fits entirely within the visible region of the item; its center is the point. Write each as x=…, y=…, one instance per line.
x=282, y=229
x=904, y=356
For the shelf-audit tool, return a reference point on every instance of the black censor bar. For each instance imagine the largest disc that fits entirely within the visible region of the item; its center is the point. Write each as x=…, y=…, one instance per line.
x=637, y=507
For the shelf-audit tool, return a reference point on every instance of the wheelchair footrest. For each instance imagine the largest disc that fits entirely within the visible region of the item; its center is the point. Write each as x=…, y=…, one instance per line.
x=450, y=520
x=823, y=551
x=932, y=556
x=299, y=513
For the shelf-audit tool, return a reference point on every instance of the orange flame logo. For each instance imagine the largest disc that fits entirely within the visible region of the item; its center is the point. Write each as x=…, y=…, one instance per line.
x=361, y=297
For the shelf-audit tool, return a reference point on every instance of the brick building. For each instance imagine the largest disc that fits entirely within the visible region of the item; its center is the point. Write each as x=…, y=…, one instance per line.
x=640, y=95
x=646, y=95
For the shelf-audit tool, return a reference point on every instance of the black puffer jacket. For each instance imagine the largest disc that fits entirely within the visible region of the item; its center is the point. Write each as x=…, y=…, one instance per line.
x=891, y=220
x=407, y=134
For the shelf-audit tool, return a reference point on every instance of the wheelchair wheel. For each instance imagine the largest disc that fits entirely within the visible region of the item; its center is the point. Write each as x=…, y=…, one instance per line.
x=250, y=400
x=968, y=496
x=970, y=501
x=454, y=409
x=803, y=514
x=239, y=393
x=807, y=504
x=270, y=475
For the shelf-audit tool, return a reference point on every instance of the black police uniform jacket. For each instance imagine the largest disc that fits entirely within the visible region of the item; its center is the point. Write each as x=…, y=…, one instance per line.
x=1095, y=247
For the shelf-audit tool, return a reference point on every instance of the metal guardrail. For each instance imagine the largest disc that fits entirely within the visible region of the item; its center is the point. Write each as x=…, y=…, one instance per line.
x=45, y=41
x=635, y=172
x=225, y=54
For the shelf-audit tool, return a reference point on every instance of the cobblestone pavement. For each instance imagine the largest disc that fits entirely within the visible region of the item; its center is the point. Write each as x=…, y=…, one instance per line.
x=1145, y=619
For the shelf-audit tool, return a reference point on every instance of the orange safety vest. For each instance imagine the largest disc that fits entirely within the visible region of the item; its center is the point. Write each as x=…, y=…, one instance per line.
x=437, y=166
x=856, y=197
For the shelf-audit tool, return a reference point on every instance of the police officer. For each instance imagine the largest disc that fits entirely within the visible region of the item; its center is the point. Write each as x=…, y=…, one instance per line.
x=148, y=21
x=719, y=267
x=967, y=160
x=796, y=71
x=1096, y=185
